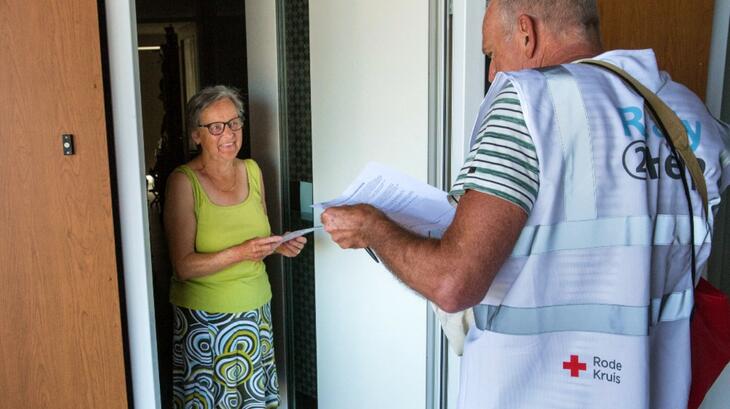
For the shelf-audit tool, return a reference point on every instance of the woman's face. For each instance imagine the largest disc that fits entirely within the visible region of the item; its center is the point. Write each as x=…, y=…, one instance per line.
x=227, y=144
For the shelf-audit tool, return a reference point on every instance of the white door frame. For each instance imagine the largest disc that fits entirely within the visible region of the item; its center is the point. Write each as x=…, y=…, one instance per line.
x=467, y=83
x=121, y=28
x=718, y=58
x=131, y=183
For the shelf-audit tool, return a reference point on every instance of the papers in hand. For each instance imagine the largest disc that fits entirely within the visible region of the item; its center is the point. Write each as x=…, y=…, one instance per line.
x=415, y=205
x=298, y=233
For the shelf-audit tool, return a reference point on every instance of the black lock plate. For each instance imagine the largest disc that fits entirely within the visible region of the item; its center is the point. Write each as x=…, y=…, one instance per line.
x=68, y=144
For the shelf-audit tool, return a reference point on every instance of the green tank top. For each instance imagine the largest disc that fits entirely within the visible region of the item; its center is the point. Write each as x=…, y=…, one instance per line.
x=240, y=287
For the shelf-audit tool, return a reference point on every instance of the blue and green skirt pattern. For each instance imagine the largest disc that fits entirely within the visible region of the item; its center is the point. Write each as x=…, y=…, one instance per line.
x=224, y=360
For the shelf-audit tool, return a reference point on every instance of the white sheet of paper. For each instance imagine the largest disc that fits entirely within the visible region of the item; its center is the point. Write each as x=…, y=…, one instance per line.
x=298, y=233
x=415, y=205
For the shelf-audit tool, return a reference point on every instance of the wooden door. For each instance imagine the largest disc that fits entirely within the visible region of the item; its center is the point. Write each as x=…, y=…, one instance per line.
x=679, y=31
x=60, y=325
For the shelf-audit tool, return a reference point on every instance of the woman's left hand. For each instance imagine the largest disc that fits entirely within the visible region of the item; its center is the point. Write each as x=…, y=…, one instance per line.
x=293, y=247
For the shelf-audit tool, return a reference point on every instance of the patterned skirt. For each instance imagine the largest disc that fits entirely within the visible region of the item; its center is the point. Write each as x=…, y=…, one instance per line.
x=224, y=360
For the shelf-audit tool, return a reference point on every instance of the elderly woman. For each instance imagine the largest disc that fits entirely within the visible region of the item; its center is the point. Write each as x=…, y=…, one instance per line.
x=219, y=234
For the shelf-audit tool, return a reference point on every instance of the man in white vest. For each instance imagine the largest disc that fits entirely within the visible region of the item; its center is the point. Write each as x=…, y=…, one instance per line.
x=571, y=237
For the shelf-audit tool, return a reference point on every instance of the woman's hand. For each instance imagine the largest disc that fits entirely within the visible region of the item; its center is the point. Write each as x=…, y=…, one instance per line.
x=293, y=247
x=258, y=249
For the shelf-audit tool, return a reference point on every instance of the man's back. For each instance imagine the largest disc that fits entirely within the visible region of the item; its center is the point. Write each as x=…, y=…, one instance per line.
x=592, y=309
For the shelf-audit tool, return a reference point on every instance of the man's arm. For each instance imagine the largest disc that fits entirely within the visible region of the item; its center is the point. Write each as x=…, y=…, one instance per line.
x=456, y=271
x=498, y=186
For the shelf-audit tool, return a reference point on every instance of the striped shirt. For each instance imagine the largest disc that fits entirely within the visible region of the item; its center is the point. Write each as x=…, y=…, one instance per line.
x=503, y=161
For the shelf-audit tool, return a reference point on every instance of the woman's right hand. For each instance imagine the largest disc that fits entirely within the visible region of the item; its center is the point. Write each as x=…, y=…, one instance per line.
x=259, y=248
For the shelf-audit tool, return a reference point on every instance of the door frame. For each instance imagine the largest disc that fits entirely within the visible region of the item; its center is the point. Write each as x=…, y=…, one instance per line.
x=121, y=28
x=716, y=83
x=467, y=81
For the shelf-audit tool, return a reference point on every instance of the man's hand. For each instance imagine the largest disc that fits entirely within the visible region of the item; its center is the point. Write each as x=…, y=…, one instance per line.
x=351, y=226
x=455, y=271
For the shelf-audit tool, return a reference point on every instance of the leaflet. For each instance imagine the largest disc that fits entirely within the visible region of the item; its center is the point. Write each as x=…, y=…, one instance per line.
x=415, y=205
x=298, y=233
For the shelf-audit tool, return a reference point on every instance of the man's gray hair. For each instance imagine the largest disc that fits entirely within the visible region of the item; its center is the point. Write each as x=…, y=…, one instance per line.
x=558, y=15
x=205, y=98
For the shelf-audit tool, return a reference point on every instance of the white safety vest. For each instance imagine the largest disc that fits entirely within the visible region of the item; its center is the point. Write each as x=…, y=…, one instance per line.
x=592, y=308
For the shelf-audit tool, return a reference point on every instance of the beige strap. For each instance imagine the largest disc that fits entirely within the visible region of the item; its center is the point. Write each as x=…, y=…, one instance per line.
x=668, y=120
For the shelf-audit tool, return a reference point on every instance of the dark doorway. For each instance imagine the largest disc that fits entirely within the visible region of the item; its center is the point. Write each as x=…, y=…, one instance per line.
x=183, y=46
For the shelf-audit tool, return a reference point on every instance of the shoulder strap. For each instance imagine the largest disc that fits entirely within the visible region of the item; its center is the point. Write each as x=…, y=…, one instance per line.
x=669, y=121
x=254, y=174
x=679, y=142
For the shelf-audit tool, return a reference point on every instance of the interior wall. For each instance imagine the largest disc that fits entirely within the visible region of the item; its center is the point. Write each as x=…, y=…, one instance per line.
x=218, y=28
x=150, y=75
x=166, y=10
x=369, y=76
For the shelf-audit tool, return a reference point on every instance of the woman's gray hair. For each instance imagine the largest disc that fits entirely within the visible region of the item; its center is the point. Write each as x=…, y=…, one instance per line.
x=560, y=16
x=205, y=98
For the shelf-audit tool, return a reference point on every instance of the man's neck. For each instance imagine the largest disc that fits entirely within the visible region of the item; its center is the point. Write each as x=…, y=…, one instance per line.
x=556, y=53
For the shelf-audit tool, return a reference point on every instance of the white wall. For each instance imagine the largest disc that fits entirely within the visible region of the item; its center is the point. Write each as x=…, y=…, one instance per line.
x=369, y=76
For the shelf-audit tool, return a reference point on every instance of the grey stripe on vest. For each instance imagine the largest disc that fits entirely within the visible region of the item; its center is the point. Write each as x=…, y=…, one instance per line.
x=572, y=121
x=611, y=232
x=602, y=318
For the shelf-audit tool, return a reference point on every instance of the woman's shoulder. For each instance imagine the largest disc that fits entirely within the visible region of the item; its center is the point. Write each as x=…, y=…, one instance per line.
x=183, y=176
x=179, y=179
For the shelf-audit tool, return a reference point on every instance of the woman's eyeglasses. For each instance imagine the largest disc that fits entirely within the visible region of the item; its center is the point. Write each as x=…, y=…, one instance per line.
x=217, y=128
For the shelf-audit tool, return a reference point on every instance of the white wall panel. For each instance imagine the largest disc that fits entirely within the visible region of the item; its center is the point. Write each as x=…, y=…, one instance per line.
x=369, y=84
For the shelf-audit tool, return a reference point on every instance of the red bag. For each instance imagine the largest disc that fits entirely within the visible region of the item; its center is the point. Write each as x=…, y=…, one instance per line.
x=710, y=337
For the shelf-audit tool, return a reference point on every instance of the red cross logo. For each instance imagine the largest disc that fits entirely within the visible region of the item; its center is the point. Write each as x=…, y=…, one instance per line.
x=575, y=366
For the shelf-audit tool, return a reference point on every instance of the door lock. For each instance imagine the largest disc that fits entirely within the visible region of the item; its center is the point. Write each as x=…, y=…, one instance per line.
x=68, y=144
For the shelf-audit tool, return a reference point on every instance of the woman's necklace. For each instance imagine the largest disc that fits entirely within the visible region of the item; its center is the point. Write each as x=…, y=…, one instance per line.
x=229, y=188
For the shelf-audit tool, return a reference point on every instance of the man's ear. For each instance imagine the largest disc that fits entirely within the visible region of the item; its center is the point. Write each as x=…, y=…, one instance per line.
x=527, y=35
